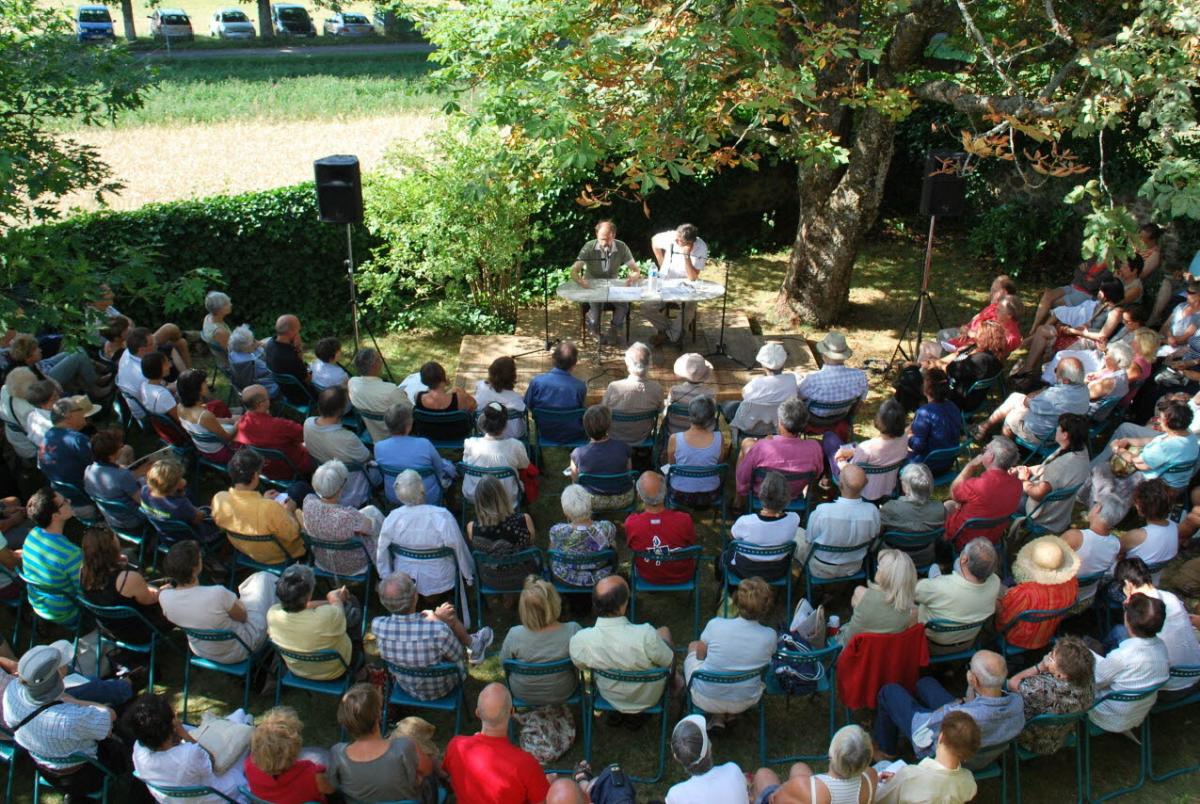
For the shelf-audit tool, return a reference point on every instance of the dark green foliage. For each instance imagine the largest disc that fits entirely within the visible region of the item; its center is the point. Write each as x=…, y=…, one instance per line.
x=1025, y=239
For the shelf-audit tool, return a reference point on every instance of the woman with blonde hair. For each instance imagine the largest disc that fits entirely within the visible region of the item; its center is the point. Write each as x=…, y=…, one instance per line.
x=498, y=531
x=1145, y=351
x=165, y=497
x=887, y=604
x=540, y=638
x=275, y=770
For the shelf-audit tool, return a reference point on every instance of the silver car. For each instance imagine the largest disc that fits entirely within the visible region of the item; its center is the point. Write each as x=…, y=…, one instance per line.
x=171, y=23
x=230, y=23
x=348, y=24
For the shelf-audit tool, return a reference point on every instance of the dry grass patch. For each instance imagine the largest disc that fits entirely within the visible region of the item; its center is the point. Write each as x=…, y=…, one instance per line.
x=168, y=163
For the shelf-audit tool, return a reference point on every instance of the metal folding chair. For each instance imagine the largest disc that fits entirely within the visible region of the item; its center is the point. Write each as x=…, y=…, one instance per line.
x=1092, y=731
x=713, y=677
x=450, y=702
x=243, y=669
x=825, y=660
x=597, y=703
x=637, y=583
x=530, y=555
x=512, y=668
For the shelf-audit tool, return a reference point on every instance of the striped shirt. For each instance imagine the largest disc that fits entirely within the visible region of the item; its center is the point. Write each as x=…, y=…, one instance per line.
x=58, y=732
x=50, y=560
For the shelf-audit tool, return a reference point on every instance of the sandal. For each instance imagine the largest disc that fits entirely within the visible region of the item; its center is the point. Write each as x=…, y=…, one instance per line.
x=583, y=772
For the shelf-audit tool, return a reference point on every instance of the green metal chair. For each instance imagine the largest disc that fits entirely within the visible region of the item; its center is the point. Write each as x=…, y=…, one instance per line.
x=817, y=549
x=667, y=556
x=500, y=473
x=871, y=469
x=1071, y=741
x=825, y=411
x=995, y=768
x=801, y=505
x=189, y=791
x=1092, y=731
x=910, y=542
x=118, y=510
x=640, y=416
x=512, y=667
x=1163, y=707
x=757, y=553
x=433, y=554
x=450, y=702
x=564, y=561
x=1006, y=648
x=543, y=416
x=40, y=783
x=287, y=382
x=720, y=506
x=444, y=418
x=243, y=669
x=241, y=559
x=618, y=482
x=368, y=416
x=598, y=703
x=351, y=544
x=286, y=677
x=945, y=454
x=986, y=384
x=17, y=604
x=391, y=471
x=947, y=627
x=713, y=677
x=107, y=613
x=530, y=555
x=269, y=455
x=1028, y=520
x=9, y=752
x=825, y=660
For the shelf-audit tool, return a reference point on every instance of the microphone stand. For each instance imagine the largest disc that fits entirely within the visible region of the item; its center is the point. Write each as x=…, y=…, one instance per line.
x=720, y=350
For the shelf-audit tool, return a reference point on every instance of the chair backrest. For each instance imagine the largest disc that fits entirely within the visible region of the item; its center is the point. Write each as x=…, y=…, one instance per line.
x=574, y=558
x=513, y=667
x=314, y=657
x=910, y=541
x=169, y=431
x=676, y=471
x=115, y=613
x=270, y=454
x=558, y=417
x=667, y=555
x=948, y=627
x=824, y=410
x=498, y=472
x=799, y=501
x=444, y=418
x=440, y=670
x=979, y=523
x=986, y=384
x=756, y=552
x=610, y=482
x=73, y=493
x=248, y=538
x=431, y=554
x=1178, y=474
x=936, y=456
x=287, y=380
x=650, y=676
x=117, y=508
x=650, y=415
x=190, y=791
x=205, y=437
x=215, y=635
x=513, y=559
x=871, y=469
x=171, y=529
x=1057, y=495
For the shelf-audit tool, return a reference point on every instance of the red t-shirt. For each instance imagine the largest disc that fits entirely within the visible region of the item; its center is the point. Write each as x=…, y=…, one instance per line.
x=271, y=432
x=989, y=495
x=663, y=531
x=296, y=785
x=491, y=770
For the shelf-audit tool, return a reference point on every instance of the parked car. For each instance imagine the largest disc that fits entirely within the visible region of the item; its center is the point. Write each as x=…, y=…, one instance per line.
x=289, y=19
x=347, y=24
x=171, y=23
x=93, y=24
x=230, y=23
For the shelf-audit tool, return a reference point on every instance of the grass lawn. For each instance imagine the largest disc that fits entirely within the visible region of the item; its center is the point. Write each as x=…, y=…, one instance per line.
x=885, y=279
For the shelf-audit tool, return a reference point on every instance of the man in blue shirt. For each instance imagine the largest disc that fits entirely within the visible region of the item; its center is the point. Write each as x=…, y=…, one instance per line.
x=558, y=390
x=403, y=451
x=66, y=452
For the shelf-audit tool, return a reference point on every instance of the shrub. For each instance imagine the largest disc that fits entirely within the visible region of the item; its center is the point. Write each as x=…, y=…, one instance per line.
x=1024, y=238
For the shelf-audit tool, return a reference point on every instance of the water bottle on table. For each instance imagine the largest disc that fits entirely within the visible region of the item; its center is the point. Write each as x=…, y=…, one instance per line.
x=654, y=286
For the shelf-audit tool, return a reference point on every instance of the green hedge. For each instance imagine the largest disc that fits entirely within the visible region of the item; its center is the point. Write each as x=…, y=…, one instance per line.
x=271, y=250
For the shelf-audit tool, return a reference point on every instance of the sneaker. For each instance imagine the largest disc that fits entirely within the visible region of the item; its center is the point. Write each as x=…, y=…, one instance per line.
x=481, y=640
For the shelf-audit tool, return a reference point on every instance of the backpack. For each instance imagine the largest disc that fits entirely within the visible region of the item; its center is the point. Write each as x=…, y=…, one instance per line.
x=612, y=786
x=796, y=676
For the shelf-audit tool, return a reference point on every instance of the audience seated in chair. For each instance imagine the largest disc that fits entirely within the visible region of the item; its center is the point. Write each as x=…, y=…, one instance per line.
x=941, y=777
x=370, y=393
x=999, y=714
x=66, y=452
x=326, y=440
x=139, y=342
x=50, y=560
x=485, y=767
x=700, y=446
x=165, y=496
x=328, y=518
x=71, y=370
x=984, y=489
x=1032, y=417
x=1003, y=287
x=936, y=425
x=168, y=338
x=214, y=330
x=1066, y=467
x=1046, y=571
x=494, y=449
x=1077, y=328
x=771, y=526
x=540, y=638
x=415, y=639
x=580, y=534
x=848, y=520
x=706, y=780
x=887, y=604
x=634, y=394
x=614, y=643
x=498, y=531
x=913, y=511
x=755, y=414
x=966, y=595
x=196, y=416
x=890, y=447
x=1060, y=684
x=284, y=354
x=661, y=530
x=403, y=450
x=834, y=382
x=156, y=397
x=303, y=625
x=187, y=604
x=733, y=645
x=417, y=525
x=850, y=777
x=107, y=478
x=1140, y=661
x=968, y=367
x=106, y=579
x=499, y=387
x=15, y=409
x=603, y=455
x=694, y=373
x=557, y=389
x=440, y=397
x=325, y=371
x=1096, y=545
x=246, y=511
x=246, y=364
x=279, y=768
x=258, y=428
x=786, y=451
x=373, y=767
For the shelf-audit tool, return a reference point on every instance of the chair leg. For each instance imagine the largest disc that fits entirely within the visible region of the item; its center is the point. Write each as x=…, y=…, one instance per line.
x=187, y=675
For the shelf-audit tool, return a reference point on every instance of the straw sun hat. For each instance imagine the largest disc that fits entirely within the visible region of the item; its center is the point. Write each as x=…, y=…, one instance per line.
x=1046, y=560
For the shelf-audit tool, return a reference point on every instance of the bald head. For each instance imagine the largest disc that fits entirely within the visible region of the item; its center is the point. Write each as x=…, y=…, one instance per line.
x=852, y=481
x=651, y=489
x=989, y=669
x=610, y=596
x=255, y=397
x=564, y=791
x=494, y=708
x=286, y=326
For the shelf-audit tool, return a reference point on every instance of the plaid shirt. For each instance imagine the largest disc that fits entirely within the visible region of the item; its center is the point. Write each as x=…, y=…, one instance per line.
x=410, y=640
x=58, y=732
x=834, y=384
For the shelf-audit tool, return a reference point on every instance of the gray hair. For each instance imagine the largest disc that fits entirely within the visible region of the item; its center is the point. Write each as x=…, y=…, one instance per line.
x=981, y=558
x=492, y=503
x=1004, y=452
x=364, y=361
x=576, y=502
x=917, y=482
x=850, y=752
x=1121, y=353
x=702, y=412
x=687, y=741
x=216, y=301
x=1071, y=372
x=1112, y=509
x=652, y=499
x=330, y=478
x=398, y=418
x=295, y=587
x=637, y=359
x=989, y=669
x=242, y=339
x=774, y=491
x=41, y=392
x=60, y=410
x=793, y=415
x=397, y=593
x=409, y=488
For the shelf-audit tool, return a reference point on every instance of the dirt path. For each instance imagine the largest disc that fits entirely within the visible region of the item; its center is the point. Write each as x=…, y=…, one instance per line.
x=172, y=163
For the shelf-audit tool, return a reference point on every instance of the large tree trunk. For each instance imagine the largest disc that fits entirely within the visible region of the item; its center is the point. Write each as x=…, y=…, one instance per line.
x=265, y=29
x=127, y=17
x=838, y=206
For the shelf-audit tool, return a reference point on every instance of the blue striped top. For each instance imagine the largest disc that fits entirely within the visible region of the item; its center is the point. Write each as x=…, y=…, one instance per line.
x=49, y=559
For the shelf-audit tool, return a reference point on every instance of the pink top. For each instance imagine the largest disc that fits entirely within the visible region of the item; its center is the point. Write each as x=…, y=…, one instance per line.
x=879, y=452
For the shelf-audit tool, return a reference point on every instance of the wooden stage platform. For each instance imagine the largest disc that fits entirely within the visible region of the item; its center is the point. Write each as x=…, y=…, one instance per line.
x=527, y=345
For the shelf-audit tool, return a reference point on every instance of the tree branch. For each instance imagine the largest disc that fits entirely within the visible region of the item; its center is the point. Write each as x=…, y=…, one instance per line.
x=969, y=21
x=1015, y=105
x=1057, y=27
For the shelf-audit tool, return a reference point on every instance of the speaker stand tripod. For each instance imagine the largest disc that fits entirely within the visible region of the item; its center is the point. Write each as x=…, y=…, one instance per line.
x=720, y=349
x=918, y=309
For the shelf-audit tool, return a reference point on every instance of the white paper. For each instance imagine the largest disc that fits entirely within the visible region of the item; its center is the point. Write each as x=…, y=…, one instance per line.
x=624, y=293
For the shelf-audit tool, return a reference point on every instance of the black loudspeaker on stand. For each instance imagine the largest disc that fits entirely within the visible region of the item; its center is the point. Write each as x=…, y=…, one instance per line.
x=943, y=193
x=339, y=200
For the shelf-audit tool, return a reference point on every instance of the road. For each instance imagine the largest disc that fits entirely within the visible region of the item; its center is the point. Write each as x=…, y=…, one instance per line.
x=178, y=54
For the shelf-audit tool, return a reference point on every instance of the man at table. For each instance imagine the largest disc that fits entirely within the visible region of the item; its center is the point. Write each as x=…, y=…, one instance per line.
x=602, y=258
x=680, y=254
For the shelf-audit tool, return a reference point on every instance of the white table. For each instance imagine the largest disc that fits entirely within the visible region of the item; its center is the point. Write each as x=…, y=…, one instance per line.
x=616, y=291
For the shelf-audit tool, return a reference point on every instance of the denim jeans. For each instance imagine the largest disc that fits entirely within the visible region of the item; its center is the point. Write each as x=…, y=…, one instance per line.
x=897, y=707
